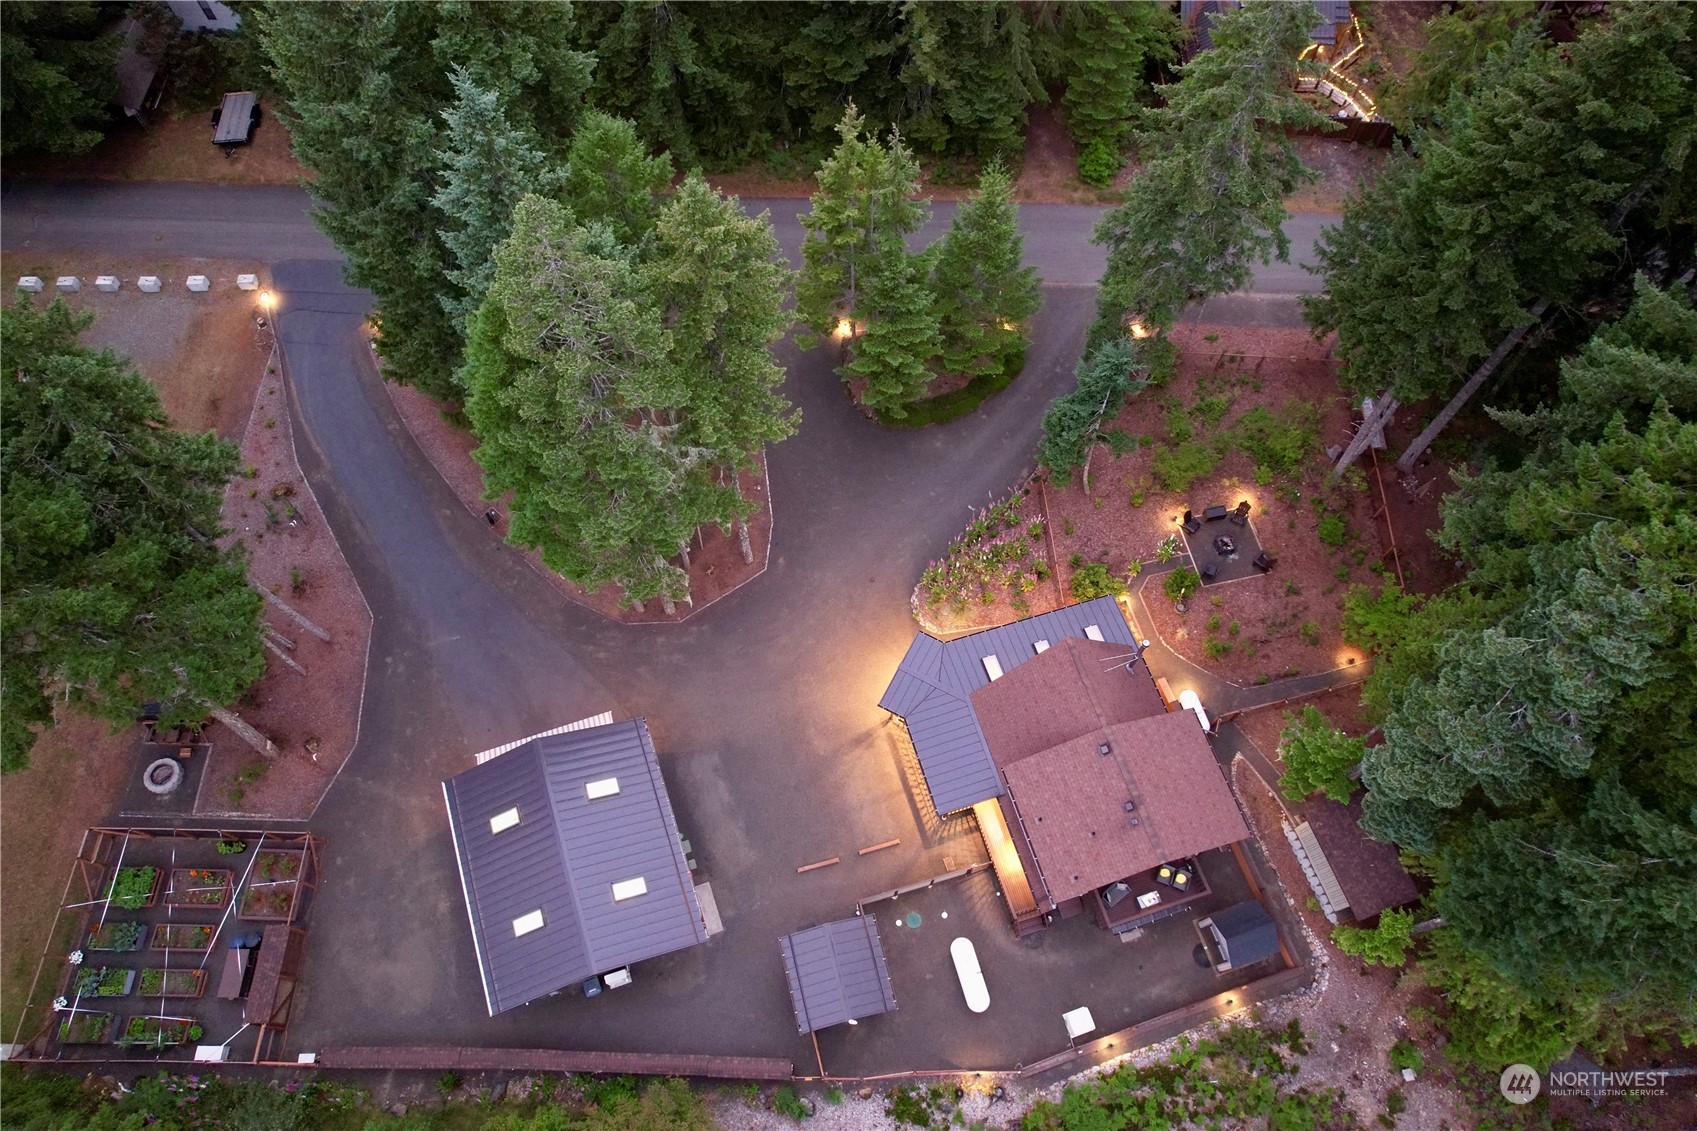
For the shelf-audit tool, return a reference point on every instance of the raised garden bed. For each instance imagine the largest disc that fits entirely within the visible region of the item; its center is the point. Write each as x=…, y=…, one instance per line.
x=199, y=887
x=183, y=936
x=173, y=983
x=272, y=888
x=115, y=936
x=104, y=981
x=83, y=1028
x=135, y=888
x=158, y=1032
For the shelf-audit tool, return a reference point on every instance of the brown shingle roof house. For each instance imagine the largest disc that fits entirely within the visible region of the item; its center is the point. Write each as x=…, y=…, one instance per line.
x=1081, y=778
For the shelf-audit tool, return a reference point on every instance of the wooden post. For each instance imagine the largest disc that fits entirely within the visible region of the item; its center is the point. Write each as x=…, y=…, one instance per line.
x=743, y=542
x=1371, y=426
x=291, y=612
x=282, y=655
x=246, y=732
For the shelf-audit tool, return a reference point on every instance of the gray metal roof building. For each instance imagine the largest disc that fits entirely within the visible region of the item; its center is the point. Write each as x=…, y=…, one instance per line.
x=836, y=973
x=1245, y=933
x=570, y=861
x=932, y=692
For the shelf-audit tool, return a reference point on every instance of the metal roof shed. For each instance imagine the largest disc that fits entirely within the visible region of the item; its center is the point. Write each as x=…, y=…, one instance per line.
x=1245, y=934
x=570, y=861
x=836, y=973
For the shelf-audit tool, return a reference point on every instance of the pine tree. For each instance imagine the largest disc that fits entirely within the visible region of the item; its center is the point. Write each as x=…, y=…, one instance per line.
x=1209, y=200
x=488, y=163
x=983, y=297
x=892, y=353
x=365, y=87
x=861, y=213
x=968, y=77
x=1317, y=757
x=611, y=178
x=1105, y=50
x=1073, y=422
x=56, y=76
x=116, y=592
x=719, y=286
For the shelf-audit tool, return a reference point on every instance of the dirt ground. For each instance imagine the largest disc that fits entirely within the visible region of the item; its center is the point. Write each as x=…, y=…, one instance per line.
x=716, y=564
x=1397, y=29
x=176, y=149
x=313, y=719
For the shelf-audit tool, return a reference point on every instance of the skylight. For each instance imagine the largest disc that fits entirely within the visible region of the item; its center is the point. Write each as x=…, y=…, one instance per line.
x=602, y=787
x=504, y=820
x=993, y=667
x=628, y=889
x=525, y=924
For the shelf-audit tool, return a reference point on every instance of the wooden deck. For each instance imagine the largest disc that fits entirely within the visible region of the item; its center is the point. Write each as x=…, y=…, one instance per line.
x=1004, y=857
x=438, y=1059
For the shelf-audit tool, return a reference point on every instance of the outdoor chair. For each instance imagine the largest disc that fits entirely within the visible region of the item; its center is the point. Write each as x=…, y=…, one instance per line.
x=1210, y=571
x=1264, y=563
x=1191, y=523
x=1241, y=515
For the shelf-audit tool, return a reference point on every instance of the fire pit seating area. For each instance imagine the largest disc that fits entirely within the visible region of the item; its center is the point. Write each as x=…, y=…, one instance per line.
x=1229, y=551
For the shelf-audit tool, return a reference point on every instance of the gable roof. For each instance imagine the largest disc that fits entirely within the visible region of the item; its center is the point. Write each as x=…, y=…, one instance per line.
x=1076, y=686
x=562, y=857
x=933, y=686
x=1248, y=931
x=1071, y=801
x=1369, y=872
x=836, y=973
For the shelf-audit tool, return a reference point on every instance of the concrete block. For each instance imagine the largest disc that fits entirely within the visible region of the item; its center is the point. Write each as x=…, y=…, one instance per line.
x=30, y=283
x=70, y=284
x=1408, y=1075
x=149, y=283
x=248, y=282
x=199, y=283
x=107, y=283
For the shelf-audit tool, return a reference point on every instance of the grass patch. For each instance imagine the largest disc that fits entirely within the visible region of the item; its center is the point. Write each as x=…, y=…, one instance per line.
x=953, y=406
x=1179, y=466
x=1279, y=442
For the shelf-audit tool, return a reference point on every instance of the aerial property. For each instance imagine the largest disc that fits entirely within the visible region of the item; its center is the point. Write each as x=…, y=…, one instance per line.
x=571, y=862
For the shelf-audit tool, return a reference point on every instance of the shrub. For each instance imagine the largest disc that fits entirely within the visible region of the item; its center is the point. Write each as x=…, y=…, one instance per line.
x=1234, y=628
x=908, y=1105
x=1182, y=582
x=1094, y=580
x=1317, y=757
x=1334, y=529
x=448, y=1083
x=1214, y=623
x=1179, y=466
x=834, y=1095
x=786, y=1102
x=1098, y=163
x=1178, y=425
x=132, y=887
x=1280, y=443
x=1406, y=1054
x=1263, y=474
x=1384, y=945
x=1216, y=648
x=1211, y=410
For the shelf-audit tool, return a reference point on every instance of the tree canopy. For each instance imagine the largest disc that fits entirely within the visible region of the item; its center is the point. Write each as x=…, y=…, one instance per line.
x=1540, y=719
x=1317, y=757
x=116, y=592
x=1209, y=200
x=56, y=75
x=983, y=297
x=1073, y=422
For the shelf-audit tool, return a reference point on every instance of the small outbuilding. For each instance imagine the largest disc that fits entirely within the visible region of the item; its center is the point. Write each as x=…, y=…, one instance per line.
x=837, y=973
x=1243, y=934
x=570, y=861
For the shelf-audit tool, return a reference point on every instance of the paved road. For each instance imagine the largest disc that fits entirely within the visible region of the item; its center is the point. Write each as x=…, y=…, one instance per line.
x=271, y=223
x=764, y=705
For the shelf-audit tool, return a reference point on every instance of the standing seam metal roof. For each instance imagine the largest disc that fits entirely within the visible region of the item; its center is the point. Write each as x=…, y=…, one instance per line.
x=836, y=973
x=1249, y=931
x=563, y=857
x=932, y=692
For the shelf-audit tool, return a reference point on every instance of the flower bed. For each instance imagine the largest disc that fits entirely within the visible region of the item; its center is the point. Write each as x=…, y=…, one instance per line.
x=199, y=887
x=159, y=1032
x=1001, y=551
x=135, y=888
x=173, y=983
x=115, y=936
x=83, y=1028
x=104, y=981
x=276, y=865
x=183, y=936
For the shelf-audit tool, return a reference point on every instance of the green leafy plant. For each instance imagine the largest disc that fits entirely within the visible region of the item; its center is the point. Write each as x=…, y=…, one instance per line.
x=833, y=1095
x=1317, y=757
x=1406, y=1054
x=1279, y=442
x=448, y=1083
x=1384, y=945
x=132, y=888
x=115, y=936
x=908, y=1105
x=1094, y=580
x=1168, y=548
x=1179, y=466
x=786, y=1102
x=1334, y=529
x=1098, y=163
x=1181, y=583
x=231, y=847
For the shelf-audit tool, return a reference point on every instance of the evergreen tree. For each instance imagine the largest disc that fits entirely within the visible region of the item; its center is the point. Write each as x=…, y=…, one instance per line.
x=983, y=297
x=56, y=75
x=1112, y=372
x=1209, y=200
x=366, y=86
x=891, y=354
x=862, y=212
x=611, y=178
x=968, y=77
x=1529, y=199
x=1456, y=45
x=116, y=592
x=717, y=281
x=488, y=163
x=1106, y=49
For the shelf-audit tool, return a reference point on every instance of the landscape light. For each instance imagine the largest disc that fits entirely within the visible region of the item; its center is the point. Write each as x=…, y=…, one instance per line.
x=1138, y=330
x=845, y=328
x=267, y=299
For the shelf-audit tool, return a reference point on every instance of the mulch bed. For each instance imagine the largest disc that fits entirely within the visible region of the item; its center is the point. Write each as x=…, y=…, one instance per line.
x=716, y=565
x=313, y=719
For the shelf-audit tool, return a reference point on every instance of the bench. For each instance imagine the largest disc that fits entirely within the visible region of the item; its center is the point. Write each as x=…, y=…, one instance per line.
x=235, y=970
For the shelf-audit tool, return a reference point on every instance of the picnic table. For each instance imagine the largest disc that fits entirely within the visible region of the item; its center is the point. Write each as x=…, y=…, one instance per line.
x=233, y=122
